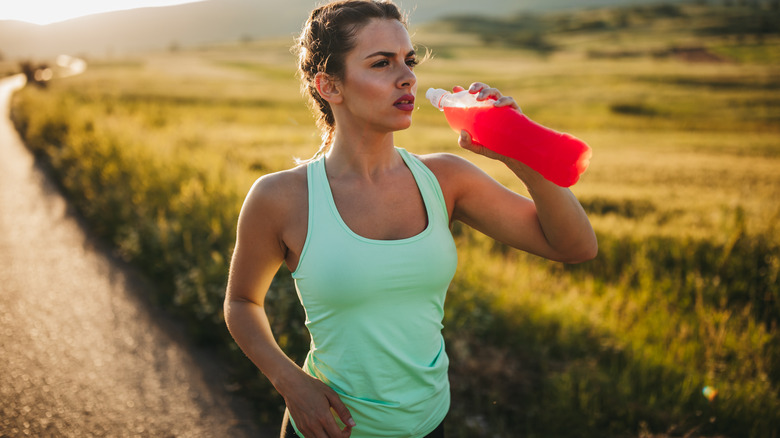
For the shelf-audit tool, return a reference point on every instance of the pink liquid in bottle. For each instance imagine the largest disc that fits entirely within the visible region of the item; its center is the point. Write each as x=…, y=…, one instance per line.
x=558, y=157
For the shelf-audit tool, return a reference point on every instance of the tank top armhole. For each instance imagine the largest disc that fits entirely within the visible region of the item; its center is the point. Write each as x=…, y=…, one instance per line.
x=310, y=219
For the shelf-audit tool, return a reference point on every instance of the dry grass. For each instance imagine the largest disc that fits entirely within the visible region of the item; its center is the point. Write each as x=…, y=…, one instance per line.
x=682, y=191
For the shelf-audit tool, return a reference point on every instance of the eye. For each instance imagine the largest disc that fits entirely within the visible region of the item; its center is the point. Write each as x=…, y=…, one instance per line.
x=382, y=63
x=412, y=62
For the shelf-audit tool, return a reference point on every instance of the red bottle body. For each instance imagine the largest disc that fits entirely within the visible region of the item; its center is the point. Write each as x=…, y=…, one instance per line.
x=559, y=157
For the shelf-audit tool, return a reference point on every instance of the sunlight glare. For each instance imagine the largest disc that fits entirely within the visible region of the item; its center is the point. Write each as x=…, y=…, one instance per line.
x=46, y=12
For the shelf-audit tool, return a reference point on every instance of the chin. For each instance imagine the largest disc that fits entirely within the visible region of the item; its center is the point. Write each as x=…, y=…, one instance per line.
x=396, y=124
x=404, y=124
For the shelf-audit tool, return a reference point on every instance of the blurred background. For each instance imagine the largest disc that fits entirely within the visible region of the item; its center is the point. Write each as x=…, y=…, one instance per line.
x=156, y=121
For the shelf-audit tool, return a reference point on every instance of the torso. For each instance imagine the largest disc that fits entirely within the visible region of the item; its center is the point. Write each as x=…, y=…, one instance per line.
x=377, y=261
x=388, y=209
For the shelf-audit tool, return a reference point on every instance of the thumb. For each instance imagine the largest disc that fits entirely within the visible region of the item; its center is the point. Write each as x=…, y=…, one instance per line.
x=467, y=142
x=464, y=140
x=457, y=88
x=341, y=409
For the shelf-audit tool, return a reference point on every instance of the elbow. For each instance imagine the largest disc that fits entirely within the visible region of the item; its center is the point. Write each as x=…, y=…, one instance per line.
x=229, y=308
x=235, y=308
x=585, y=251
x=584, y=254
x=576, y=259
x=226, y=313
x=233, y=315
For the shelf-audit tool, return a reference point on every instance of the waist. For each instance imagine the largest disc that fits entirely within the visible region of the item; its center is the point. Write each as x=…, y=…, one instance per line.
x=387, y=394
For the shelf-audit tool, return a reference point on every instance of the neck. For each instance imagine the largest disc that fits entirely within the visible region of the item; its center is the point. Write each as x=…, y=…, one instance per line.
x=361, y=156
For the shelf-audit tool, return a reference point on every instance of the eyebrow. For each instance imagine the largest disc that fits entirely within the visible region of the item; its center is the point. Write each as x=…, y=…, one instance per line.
x=389, y=54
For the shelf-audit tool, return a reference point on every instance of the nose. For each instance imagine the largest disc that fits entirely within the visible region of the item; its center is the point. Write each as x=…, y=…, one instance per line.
x=408, y=78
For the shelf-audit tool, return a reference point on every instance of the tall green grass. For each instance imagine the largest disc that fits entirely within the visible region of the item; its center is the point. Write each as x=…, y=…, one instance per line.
x=158, y=153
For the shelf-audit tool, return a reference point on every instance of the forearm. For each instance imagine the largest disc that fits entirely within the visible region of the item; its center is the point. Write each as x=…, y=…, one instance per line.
x=310, y=401
x=563, y=225
x=563, y=221
x=249, y=326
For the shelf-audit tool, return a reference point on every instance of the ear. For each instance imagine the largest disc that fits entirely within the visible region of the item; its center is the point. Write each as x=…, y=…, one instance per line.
x=328, y=88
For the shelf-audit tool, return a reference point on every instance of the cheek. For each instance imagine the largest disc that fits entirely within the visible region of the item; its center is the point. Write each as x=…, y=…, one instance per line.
x=367, y=85
x=373, y=88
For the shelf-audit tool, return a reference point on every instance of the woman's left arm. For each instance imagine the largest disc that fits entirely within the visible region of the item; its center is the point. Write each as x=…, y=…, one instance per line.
x=552, y=224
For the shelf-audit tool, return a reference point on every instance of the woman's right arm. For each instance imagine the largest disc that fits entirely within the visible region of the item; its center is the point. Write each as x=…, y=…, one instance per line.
x=259, y=252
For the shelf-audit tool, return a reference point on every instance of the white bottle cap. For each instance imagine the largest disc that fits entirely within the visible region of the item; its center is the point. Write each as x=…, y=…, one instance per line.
x=435, y=95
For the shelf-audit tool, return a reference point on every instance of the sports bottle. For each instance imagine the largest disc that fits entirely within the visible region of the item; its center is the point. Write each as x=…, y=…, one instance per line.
x=559, y=157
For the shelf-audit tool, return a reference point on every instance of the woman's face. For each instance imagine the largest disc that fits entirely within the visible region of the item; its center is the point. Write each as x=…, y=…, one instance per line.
x=379, y=84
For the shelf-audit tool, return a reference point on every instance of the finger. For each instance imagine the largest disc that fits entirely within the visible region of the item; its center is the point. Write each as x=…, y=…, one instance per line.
x=457, y=89
x=315, y=433
x=341, y=409
x=322, y=427
x=489, y=93
x=476, y=87
x=332, y=430
x=315, y=430
x=506, y=101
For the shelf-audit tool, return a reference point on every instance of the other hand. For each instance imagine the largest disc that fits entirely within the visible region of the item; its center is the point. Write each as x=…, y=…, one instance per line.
x=310, y=403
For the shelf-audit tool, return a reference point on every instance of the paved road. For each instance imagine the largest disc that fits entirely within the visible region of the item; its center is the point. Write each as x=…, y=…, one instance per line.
x=81, y=352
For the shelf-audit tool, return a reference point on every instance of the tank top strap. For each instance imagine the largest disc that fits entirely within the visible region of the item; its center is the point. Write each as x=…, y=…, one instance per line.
x=429, y=187
x=319, y=194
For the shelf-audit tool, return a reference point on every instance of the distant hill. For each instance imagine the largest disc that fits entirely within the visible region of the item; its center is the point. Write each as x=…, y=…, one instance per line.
x=214, y=21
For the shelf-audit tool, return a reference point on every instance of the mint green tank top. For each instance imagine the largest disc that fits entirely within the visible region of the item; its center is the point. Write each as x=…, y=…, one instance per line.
x=374, y=310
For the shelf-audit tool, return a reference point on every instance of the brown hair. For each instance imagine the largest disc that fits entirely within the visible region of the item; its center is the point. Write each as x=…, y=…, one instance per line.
x=327, y=37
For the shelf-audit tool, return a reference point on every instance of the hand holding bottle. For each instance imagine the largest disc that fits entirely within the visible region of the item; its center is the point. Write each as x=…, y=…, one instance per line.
x=483, y=96
x=496, y=122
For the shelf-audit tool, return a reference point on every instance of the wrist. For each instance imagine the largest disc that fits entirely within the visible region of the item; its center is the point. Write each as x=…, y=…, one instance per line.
x=535, y=183
x=285, y=376
x=522, y=170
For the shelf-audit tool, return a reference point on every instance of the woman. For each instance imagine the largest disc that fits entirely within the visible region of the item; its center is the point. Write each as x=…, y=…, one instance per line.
x=365, y=229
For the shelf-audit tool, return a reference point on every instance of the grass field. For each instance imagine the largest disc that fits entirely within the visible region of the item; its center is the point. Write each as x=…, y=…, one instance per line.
x=683, y=114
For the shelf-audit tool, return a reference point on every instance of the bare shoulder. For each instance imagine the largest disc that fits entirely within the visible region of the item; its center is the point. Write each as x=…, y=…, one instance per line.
x=451, y=169
x=264, y=224
x=279, y=186
x=443, y=164
x=443, y=161
x=276, y=195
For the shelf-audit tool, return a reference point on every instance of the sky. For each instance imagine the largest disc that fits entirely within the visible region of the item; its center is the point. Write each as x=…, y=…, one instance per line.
x=52, y=11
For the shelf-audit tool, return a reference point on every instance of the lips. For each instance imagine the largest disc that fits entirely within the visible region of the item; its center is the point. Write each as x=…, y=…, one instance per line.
x=405, y=103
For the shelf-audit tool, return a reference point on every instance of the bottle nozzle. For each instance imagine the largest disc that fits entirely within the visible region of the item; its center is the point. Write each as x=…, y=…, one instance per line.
x=435, y=95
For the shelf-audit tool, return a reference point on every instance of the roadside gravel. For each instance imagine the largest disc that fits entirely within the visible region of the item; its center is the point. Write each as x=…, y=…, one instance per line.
x=82, y=352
